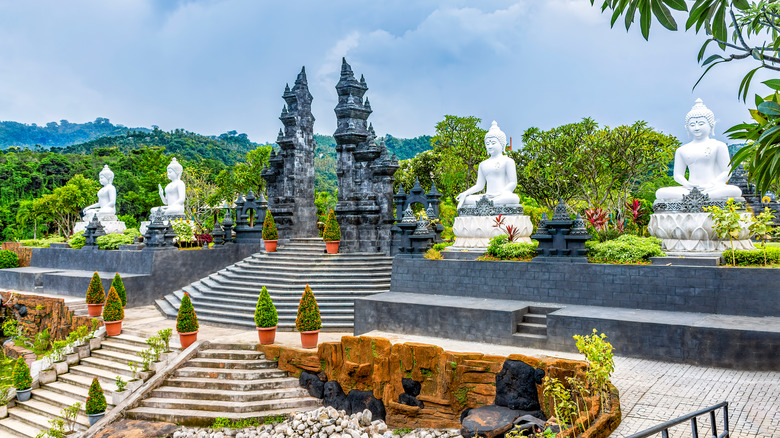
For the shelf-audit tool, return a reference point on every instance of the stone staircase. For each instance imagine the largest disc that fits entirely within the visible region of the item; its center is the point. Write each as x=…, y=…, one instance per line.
x=532, y=328
x=229, y=380
x=229, y=296
x=29, y=418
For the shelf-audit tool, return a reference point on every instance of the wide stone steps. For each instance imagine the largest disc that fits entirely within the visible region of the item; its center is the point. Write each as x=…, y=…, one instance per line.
x=12, y=427
x=228, y=297
x=233, y=381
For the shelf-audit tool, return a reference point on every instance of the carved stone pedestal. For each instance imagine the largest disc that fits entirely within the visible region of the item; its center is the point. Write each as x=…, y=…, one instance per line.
x=473, y=228
x=111, y=224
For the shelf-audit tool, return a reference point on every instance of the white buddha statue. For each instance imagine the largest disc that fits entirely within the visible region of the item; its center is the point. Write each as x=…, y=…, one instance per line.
x=106, y=205
x=706, y=159
x=497, y=172
x=175, y=192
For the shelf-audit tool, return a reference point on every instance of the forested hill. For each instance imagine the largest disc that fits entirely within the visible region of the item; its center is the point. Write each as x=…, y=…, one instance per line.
x=403, y=148
x=58, y=134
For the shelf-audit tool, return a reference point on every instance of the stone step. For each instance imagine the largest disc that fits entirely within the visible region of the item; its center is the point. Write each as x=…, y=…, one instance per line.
x=29, y=417
x=287, y=324
x=535, y=318
x=331, y=317
x=233, y=354
x=11, y=427
x=68, y=390
x=118, y=368
x=235, y=396
x=323, y=277
x=115, y=356
x=189, y=417
x=234, y=385
x=52, y=410
x=217, y=299
x=206, y=288
x=228, y=374
x=227, y=283
x=242, y=364
x=230, y=406
x=531, y=328
x=82, y=375
x=112, y=344
x=530, y=340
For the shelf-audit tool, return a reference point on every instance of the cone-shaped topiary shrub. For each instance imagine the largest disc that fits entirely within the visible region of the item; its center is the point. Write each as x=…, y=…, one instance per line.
x=186, y=320
x=332, y=232
x=96, y=400
x=120, y=288
x=308, y=312
x=269, y=227
x=22, y=378
x=95, y=293
x=113, y=310
x=265, y=311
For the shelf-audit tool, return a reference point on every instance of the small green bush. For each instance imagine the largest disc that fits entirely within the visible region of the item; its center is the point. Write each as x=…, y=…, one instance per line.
x=77, y=240
x=332, y=232
x=265, y=311
x=186, y=320
x=113, y=310
x=627, y=248
x=96, y=400
x=21, y=375
x=42, y=243
x=8, y=259
x=117, y=284
x=269, y=227
x=308, y=318
x=754, y=257
x=95, y=293
x=501, y=248
x=131, y=232
x=441, y=246
x=433, y=254
x=112, y=241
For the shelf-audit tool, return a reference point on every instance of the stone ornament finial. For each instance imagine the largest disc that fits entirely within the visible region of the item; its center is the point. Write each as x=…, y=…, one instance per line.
x=497, y=133
x=700, y=110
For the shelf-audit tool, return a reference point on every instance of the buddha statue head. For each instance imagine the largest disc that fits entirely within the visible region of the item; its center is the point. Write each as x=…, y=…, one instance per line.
x=106, y=175
x=174, y=169
x=699, y=114
x=495, y=138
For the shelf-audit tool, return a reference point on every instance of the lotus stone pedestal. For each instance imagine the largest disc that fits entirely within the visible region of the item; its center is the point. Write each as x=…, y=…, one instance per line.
x=473, y=227
x=111, y=224
x=684, y=233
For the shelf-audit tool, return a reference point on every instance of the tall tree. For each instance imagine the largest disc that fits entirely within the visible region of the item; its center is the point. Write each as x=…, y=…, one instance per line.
x=460, y=144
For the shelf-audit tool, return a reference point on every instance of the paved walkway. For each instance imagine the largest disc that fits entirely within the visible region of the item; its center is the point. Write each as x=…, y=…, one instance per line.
x=651, y=392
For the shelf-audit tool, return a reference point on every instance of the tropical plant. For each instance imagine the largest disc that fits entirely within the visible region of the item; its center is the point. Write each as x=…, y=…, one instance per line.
x=77, y=240
x=601, y=363
x=186, y=320
x=96, y=400
x=95, y=292
x=265, y=311
x=57, y=353
x=433, y=254
x=112, y=241
x=119, y=286
x=627, y=248
x=8, y=259
x=511, y=231
x=332, y=232
x=308, y=318
x=564, y=408
x=726, y=222
x=269, y=227
x=113, y=310
x=762, y=227
x=165, y=338
x=21, y=375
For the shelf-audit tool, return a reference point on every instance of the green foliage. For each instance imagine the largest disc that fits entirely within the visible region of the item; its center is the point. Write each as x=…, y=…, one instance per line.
x=112, y=241
x=120, y=384
x=768, y=256
x=433, y=254
x=627, y=248
x=10, y=327
x=165, y=338
x=405, y=148
x=269, y=227
x=57, y=353
x=265, y=311
x=332, y=232
x=500, y=248
x=42, y=243
x=462, y=394
x=308, y=318
x=42, y=342
x=113, y=310
x=402, y=431
x=186, y=320
x=565, y=409
x=119, y=286
x=184, y=229
x=441, y=246
x=762, y=152
x=762, y=226
x=77, y=241
x=8, y=259
x=225, y=423
x=96, y=400
x=726, y=222
x=21, y=375
x=55, y=135
x=65, y=423
x=601, y=363
x=95, y=292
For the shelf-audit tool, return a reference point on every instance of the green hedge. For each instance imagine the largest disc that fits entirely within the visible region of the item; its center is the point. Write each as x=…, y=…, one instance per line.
x=112, y=241
x=77, y=240
x=754, y=257
x=441, y=246
x=502, y=249
x=627, y=248
x=8, y=259
x=42, y=243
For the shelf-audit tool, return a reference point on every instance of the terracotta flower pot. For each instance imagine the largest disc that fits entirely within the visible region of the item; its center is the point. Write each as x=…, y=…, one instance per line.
x=186, y=339
x=95, y=309
x=113, y=328
x=309, y=339
x=332, y=247
x=266, y=335
x=270, y=245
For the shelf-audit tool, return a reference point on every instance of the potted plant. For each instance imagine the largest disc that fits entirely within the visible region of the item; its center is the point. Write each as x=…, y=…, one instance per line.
x=270, y=234
x=332, y=233
x=113, y=313
x=266, y=318
x=22, y=380
x=96, y=402
x=187, y=322
x=96, y=296
x=58, y=357
x=308, y=321
x=117, y=284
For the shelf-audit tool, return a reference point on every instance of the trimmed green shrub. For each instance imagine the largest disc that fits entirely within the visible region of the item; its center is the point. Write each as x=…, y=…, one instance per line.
x=77, y=240
x=332, y=232
x=8, y=259
x=501, y=248
x=131, y=232
x=42, y=243
x=112, y=241
x=117, y=284
x=754, y=257
x=21, y=375
x=308, y=318
x=433, y=254
x=265, y=311
x=95, y=293
x=96, y=400
x=186, y=320
x=627, y=248
x=269, y=227
x=113, y=310
x=441, y=246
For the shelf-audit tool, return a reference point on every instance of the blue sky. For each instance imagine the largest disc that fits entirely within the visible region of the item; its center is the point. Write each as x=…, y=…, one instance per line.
x=212, y=66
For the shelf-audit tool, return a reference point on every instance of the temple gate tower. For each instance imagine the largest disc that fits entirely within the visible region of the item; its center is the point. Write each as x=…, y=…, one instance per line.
x=365, y=172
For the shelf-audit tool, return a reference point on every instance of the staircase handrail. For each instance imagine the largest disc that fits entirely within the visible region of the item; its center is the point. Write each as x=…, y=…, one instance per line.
x=664, y=427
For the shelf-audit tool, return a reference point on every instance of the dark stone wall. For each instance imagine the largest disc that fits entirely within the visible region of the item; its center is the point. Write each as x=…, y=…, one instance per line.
x=727, y=291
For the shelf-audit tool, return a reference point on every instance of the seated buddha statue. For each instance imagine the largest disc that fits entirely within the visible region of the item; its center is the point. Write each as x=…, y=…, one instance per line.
x=175, y=192
x=106, y=205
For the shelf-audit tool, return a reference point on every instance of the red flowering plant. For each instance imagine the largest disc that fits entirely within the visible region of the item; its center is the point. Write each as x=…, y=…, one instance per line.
x=511, y=231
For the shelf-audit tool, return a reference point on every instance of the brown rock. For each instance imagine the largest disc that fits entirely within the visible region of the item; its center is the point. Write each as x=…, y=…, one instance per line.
x=137, y=429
